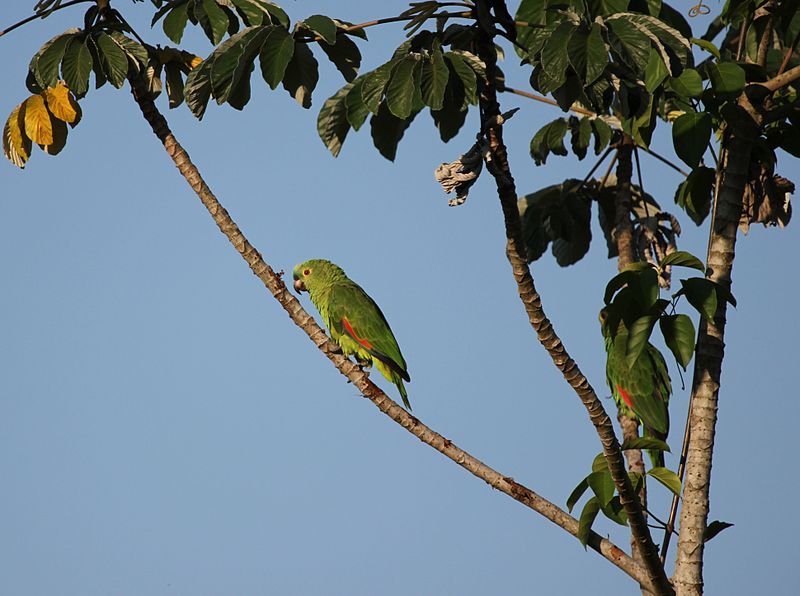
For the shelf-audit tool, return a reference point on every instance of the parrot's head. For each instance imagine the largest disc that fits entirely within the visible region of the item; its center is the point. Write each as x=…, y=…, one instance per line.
x=316, y=273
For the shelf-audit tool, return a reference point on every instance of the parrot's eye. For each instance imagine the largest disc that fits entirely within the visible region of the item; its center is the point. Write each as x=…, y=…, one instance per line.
x=307, y=272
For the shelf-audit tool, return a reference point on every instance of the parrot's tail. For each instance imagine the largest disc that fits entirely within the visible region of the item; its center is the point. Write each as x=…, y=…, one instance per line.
x=403, y=394
x=656, y=455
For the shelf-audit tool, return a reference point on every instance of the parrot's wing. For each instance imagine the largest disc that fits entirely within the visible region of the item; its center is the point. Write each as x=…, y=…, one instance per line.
x=649, y=388
x=352, y=312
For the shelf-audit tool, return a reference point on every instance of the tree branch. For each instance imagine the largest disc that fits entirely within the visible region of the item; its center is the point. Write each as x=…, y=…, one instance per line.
x=42, y=15
x=612, y=121
x=788, y=77
x=710, y=350
x=516, y=253
x=273, y=282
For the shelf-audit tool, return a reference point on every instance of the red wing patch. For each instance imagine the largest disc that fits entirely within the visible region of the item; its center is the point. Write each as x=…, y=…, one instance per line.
x=625, y=396
x=364, y=342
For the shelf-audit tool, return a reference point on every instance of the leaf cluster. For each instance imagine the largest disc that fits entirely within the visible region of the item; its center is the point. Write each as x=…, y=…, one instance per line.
x=41, y=119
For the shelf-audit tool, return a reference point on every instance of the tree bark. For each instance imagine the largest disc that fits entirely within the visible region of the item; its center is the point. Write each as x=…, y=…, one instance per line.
x=498, y=166
x=710, y=350
x=273, y=282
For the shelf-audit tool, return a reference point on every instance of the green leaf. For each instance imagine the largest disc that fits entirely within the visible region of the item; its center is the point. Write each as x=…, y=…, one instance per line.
x=588, y=515
x=596, y=55
x=387, y=130
x=727, y=78
x=678, y=332
x=357, y=112
x=97, y=63
x=681, y=258
x=374, y=84
x=465, y=74
x=76, y=66
x=690, y=136
x=332, y=124
x=688, y=84
x=615, y=283
x=275, y=56
x=634, y=45
x=576, y=494
x=666, y=477
x=695, y=193
x=344, y=55
x=433, y=79
x=255, y=12
x=714, y=528
x=114, y=60
x=278, y=16
x=602, y=135
x=602, y=485
x=555, y=58
x=656, y=71
x=724, y=293
x=614, y=511
x=550, y=138
x=322, y=26
x=230, y=71
x=638, y=336
x=213, y=20
x=702, y=294
x=599, y=463
x=581, y=135
x=301, y=75
x=135, y=51
x=175, y=23
x=401, y=87
x=645, y=443
x=44, y=64
x=707, y=46
x=453, y=114
x=529, y=11
x=197, y=89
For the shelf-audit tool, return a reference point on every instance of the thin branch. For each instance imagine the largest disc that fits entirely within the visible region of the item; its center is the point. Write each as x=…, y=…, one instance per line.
x=788, y=55
x=462, y=15
x=673, y=509
x=517, y=256
x=42, y=15
x=664, y=160
x=781, y=80
x=547, y=100
x=612, y=121
x=610, y=169
x=273, y=282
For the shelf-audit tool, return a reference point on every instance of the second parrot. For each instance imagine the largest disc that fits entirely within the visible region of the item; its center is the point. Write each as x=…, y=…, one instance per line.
x=641, y=391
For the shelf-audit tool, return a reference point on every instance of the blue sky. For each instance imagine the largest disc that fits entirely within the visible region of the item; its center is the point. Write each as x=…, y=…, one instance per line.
x=165, y=429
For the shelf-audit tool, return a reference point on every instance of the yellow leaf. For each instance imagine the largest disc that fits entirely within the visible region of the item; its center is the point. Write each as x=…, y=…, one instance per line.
x=62, y=105
x=59, y=138
x=16, y=146
x=38, y=125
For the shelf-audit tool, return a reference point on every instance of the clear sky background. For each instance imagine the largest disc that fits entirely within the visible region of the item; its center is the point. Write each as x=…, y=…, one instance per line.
x=165, y=429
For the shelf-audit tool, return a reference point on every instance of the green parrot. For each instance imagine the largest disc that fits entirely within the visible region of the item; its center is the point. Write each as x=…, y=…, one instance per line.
x=641, y=391
x=353, y=319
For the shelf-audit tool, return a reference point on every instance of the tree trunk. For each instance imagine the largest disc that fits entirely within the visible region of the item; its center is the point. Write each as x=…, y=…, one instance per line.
x=688, y=578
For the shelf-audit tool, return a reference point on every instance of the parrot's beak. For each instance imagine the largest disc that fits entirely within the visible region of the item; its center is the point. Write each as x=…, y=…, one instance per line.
x=299, y=286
